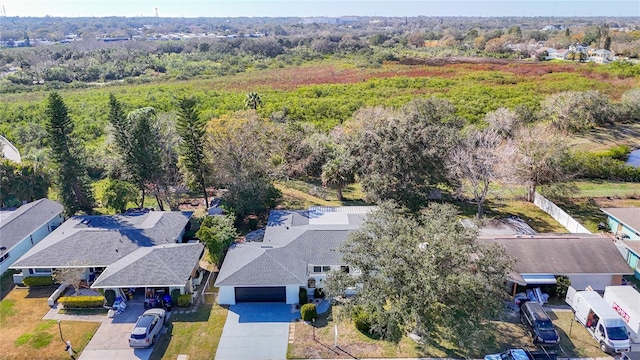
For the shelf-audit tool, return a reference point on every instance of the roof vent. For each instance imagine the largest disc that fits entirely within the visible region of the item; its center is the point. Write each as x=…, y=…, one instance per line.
x=3, y=248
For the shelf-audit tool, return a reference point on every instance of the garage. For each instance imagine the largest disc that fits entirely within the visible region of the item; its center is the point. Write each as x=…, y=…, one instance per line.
x=261, y=294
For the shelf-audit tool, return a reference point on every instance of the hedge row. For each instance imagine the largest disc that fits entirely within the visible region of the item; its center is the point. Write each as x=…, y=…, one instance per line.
x=38, y=281
x=81, y=301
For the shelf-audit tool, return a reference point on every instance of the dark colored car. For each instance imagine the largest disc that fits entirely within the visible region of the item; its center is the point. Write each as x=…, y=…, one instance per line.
x=539, y=324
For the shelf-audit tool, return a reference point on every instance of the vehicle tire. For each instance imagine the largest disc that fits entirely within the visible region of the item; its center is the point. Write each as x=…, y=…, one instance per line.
x=153, y=340
x=604, y=348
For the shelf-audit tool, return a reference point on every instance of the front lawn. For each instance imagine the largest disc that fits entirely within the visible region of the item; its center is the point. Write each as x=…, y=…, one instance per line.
x=196, y=334
x=25, y=335
x=317, y=341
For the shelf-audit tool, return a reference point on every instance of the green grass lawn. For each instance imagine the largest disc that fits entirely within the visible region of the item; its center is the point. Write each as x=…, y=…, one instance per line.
x=196, y=335
x=596, y=188
x=25, y=335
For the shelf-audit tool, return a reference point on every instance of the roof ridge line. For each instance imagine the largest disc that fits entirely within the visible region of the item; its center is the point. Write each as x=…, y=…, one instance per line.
x=13, y=218
x=286, y=268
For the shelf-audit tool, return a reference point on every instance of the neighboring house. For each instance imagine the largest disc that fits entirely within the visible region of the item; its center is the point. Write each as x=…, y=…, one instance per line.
x=632, y=249
x=23, y=228
x=562, y=54
x=625, y=224
x=601, y=56
x=139, y=249
x=587, y=260
x=8, y=151
x=624, y=221
x=299, y=248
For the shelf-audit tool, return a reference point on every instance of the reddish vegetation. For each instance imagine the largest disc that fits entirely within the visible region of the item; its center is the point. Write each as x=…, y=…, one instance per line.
x=291, y=78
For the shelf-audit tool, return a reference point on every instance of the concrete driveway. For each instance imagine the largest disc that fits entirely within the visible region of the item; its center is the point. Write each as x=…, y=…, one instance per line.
x=258, y=331
x=111, y=341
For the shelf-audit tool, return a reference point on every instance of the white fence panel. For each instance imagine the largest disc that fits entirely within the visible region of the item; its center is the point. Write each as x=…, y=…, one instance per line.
x=560, y=215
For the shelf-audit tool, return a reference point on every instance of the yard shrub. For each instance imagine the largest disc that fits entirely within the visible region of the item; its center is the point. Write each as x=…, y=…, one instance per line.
x=32, y=281
x=302, y=296
x=175, y=294
x=318, y=293
x=76, y=302
x=110, y=295
x=184, y=300
x=308, y=312
x=361, y=320
x=562, y=284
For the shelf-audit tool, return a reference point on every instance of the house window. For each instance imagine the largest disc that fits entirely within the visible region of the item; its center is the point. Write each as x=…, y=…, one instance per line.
x=344, y=268
x=326, y=268
x=31, y=238
x=43, y=271
x=317, y=269
x=4, y=257
x=321, y=269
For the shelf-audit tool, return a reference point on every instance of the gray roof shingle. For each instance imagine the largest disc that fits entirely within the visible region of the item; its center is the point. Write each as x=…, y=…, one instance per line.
x=102, y=240
x=25, y=220
x=292, y=241
x=629, y=216
x=563, y=254
x=157, y=266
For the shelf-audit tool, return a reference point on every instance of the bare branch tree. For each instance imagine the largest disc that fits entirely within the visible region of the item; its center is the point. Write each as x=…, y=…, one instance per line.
x=70, y=275
x=535, y=156
x=474, y=164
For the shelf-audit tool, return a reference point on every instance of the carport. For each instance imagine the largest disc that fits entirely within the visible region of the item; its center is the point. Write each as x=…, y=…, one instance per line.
x=261, y=294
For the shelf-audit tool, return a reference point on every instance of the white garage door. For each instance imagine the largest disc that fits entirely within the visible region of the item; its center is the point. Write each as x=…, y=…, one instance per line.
x=597, y=282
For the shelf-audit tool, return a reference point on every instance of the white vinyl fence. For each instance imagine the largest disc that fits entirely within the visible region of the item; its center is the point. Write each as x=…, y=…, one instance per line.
x=560, y=215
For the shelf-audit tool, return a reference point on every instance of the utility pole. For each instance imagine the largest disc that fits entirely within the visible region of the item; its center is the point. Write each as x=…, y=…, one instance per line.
x=156, y=12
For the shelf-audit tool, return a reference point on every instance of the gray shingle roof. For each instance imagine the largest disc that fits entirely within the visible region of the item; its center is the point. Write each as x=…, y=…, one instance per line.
x=563, y=254
x=292, y=241
x=157, y=266
x=102, y=240
x=25, y=220
x=629, y=216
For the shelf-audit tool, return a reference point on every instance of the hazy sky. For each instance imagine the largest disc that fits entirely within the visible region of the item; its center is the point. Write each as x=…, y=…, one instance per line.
x=308, y=8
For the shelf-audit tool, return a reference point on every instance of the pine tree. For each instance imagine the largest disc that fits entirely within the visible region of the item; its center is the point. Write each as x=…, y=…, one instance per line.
x=191, y=128
x=70, y=171
x=143, y=158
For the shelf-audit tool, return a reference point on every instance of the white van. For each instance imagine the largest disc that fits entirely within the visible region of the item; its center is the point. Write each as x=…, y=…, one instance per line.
x=604, y=324
x=625, y=300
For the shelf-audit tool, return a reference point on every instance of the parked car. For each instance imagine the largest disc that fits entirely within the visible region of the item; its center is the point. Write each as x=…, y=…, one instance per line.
x=522, y=354
x=147, y=328
x=537, y=321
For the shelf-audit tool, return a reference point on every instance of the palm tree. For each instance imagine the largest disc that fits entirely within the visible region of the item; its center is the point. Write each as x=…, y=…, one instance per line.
x=253, y=100
x=336, y=174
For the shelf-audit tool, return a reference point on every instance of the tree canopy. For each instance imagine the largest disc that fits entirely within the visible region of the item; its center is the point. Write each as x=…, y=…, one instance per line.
x=424, y=273
x=70, y=171
x=400, y=155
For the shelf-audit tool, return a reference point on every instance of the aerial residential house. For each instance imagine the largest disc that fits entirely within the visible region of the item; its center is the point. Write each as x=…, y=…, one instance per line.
x=299, y=248
x=138, y=249
x=602, y=56
x=587, y=260
x=24, y=227
x=625, y=224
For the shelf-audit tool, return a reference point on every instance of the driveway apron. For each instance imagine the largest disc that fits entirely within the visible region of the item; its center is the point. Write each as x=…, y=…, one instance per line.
x=111, y=341
x=258, y=331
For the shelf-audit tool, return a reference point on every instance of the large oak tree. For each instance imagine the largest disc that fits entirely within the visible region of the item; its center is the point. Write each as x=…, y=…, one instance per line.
x=423, y=273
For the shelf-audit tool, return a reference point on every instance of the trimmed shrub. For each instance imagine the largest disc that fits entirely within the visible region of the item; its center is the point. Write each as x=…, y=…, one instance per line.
x=361, y=320
x=302, y=296
x=81, y=302
x=110, y=295
x=562, y=285
x=32, y=281
x=175, y=294
x=318, y=293
x=184, y=300
x=308, y=312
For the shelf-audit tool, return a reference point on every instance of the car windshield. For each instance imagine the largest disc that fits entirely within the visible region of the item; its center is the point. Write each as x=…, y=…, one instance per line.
x=617, y=333
x=544, y=325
